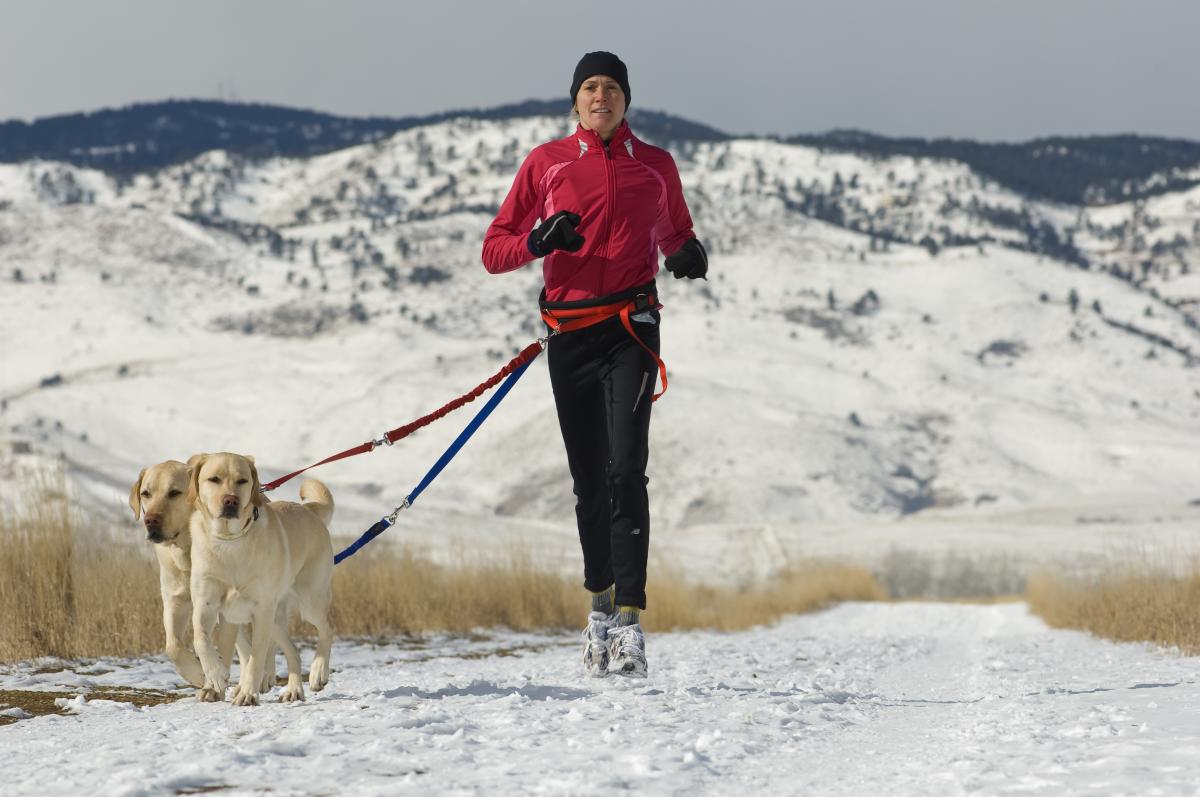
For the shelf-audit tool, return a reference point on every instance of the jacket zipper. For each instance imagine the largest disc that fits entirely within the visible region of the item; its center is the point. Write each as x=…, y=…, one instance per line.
x=610, y=191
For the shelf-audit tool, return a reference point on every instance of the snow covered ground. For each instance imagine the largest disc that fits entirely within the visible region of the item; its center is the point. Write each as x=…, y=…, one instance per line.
x=897, y=699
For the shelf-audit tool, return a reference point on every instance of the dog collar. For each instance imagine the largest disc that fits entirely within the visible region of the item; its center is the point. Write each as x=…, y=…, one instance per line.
x=246, y=528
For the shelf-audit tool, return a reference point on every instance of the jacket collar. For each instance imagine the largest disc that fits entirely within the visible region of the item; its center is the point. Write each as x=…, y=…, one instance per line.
x=592, y=138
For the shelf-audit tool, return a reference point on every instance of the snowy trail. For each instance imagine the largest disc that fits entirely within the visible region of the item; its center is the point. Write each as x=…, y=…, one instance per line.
x=865, y=698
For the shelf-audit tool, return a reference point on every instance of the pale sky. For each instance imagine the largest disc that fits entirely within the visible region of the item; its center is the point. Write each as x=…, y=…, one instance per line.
x=986, y=69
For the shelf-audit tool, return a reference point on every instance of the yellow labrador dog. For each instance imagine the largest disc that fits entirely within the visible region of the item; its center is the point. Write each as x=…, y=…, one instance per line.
x=159, y=497
x=251, y=561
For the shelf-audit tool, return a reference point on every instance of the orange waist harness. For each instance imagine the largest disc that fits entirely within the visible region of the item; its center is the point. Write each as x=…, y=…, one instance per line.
x=570, y=319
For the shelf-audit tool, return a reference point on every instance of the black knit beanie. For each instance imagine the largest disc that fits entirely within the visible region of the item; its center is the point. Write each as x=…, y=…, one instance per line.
x=600, y=63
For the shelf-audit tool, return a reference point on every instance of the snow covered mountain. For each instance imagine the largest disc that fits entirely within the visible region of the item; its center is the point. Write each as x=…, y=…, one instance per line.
x=883, y=336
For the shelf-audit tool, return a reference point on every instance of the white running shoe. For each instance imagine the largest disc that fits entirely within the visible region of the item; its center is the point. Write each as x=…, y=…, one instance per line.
x=595, y=645
x=627, y=650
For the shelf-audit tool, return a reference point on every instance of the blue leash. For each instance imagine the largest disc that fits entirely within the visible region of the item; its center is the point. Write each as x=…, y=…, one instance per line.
x=459, y=442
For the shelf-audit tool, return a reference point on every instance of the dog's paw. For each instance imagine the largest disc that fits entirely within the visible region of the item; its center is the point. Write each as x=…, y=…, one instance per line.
x=318, y=674
x=292, y=693
x=206, y=694
x=243, y=697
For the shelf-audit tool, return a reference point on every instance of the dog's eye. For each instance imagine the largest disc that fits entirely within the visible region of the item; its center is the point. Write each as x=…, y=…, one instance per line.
x=242, y=481
x=214, y=479
x=174, y=493
x=145, y=493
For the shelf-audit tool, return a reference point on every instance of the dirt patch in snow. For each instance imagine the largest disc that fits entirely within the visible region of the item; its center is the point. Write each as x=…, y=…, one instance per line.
x=40, y=703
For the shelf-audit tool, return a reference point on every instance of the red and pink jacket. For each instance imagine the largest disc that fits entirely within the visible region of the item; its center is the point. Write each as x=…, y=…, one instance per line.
x=631, y=206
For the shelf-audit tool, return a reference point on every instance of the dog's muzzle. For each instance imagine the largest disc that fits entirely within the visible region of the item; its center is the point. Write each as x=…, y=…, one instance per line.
x=229, y=507
x=154, y=531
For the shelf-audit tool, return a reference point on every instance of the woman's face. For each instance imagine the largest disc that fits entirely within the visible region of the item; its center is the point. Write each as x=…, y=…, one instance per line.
x=601, y=105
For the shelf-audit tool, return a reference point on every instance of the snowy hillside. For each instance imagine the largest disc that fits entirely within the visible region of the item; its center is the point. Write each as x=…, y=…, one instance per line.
x=880, y=339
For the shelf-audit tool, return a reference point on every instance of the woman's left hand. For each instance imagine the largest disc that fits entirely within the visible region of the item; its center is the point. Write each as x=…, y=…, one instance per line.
x=690, y=261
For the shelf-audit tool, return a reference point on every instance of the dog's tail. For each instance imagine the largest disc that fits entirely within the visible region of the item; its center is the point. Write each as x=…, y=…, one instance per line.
x=316, y=496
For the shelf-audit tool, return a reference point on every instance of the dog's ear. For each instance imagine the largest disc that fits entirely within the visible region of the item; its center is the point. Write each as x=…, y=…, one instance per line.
x=194, y=463
x=135, y=495
x=259, y=498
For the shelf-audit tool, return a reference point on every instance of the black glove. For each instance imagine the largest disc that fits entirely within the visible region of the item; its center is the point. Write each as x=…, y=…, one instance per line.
x=556, y=232
x=690, y=261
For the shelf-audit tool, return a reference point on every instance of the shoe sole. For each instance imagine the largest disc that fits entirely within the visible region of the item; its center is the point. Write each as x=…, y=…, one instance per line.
x=629, y=671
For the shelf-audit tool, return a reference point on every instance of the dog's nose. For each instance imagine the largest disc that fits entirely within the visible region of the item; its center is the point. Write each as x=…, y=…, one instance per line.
x=230, y=500
x=154, y=531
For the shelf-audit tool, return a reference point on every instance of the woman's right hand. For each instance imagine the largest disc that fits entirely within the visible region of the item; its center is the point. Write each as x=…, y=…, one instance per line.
x=556, y=232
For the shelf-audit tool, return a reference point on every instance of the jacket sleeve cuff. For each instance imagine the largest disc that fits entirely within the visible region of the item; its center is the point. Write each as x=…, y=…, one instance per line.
x=532, y=246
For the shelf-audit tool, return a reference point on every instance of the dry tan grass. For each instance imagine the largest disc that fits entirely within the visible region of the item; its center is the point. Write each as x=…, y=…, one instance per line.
x=64, y=592
x=70, y=590
x=677, y=604
x=1135, y=602
x=385, y=591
